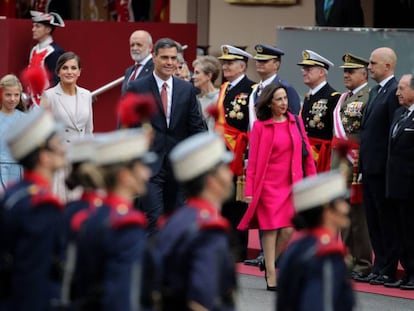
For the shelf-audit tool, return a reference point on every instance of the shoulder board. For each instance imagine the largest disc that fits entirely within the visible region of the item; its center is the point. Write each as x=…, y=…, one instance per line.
x=254, y=85
x=328, y=246
x=335, y=93
x=121, y=218
x=78, y=219
x=43, y=197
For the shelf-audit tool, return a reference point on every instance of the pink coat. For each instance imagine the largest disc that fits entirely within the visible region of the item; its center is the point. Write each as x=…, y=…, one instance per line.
x=259, y=154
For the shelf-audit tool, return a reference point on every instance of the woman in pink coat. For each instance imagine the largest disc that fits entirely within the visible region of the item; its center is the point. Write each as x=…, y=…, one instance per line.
x=275, y=163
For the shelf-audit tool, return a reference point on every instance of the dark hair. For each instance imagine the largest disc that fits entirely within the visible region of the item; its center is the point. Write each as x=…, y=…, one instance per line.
x=165, y=43
x=308, y=219
x=263, y=110
x=86, y=175
x=195, y=186
x=64, y=58
x=30, y=161
x=209, y=64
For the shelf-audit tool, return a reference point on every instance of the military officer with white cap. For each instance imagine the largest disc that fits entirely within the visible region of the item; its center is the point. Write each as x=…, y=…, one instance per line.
x=30, y=217
x=233, y=123
x=111, y=241
x=193, y=268
x=318, y=106
x=46, y=52
x=312, y=271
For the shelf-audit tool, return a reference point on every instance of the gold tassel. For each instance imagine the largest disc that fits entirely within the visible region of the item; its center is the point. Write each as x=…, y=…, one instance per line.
x=240, y=185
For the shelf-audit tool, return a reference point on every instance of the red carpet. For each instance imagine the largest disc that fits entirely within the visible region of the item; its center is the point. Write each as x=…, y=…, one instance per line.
x=254, y=249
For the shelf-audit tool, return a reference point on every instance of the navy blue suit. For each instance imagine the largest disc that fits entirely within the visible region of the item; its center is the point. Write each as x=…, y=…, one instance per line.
x=313, y=275
x=381, y=217
x=145, y=71
x=111, y=245
x=400, y=184
x=185, y=120
x=192, y=261
x=30, y=222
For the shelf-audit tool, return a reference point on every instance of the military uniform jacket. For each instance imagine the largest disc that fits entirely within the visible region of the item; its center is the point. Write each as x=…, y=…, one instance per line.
x=30, y=219
x=236, y=104
x=313, y=275
x=317, y=112
x=193, y=261
x=110, y=252
x=351, y=111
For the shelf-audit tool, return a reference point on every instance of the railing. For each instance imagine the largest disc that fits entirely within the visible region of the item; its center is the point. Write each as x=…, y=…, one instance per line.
x=107, y=86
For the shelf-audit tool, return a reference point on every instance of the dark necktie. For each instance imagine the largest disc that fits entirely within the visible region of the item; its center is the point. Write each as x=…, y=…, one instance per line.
x=134, y=72
x=404, y=116
x=350, y=94
x=229, y=87
x=164, y=97
x=372, y=95
x=258, y=92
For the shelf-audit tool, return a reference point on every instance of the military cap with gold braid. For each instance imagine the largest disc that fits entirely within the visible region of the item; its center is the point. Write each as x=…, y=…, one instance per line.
x=232, y=53
x=311, y=58
x=352, y=61
x=266, y=52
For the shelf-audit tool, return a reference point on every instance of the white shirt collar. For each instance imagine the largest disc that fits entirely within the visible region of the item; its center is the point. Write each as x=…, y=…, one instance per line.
x=316, y=89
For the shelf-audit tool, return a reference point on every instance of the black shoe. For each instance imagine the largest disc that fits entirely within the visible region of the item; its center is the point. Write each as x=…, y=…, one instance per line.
x=408, y=286
x=271, y=288
x=254, y=262
x=366, y=279
x=357, y=275
x=382, y=279
x=396, y=284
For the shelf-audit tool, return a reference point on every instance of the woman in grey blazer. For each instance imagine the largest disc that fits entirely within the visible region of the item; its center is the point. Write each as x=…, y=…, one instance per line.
x=72, y=107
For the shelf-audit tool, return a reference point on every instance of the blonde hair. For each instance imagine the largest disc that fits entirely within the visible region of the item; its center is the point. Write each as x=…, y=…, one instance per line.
x=10, y=80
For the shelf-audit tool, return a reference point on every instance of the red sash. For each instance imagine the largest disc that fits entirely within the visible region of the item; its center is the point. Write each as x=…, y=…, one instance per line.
x=321, y=155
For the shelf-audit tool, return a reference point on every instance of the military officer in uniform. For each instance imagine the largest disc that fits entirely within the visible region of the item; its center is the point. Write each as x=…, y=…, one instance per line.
x=268, y=61
x=312, y=271
x=233, y=123
x=31, y=217
x=347, y=123
x=46, y=52
x=318, y=106
x=193, y=267
x=111, y=241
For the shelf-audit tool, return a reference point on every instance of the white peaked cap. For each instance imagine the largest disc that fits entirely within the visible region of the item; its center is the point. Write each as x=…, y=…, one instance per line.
x=311, y=58
x=232, y=53
x=123, y=146
x=317, y=190
x=197, y=155
x=31, y=133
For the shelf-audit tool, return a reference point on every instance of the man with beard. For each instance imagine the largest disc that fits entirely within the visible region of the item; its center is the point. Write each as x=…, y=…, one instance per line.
x=140, y=43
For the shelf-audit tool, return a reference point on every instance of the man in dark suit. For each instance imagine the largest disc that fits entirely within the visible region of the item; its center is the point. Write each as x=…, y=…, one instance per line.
x=178, y=117
x=339, y=13
x=375, y=127
x=233, y=123
x=400, y=177
x=140, y=43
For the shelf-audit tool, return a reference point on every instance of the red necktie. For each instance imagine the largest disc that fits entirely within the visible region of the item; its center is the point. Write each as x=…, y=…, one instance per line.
x=164, y=97
x=134, y=72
